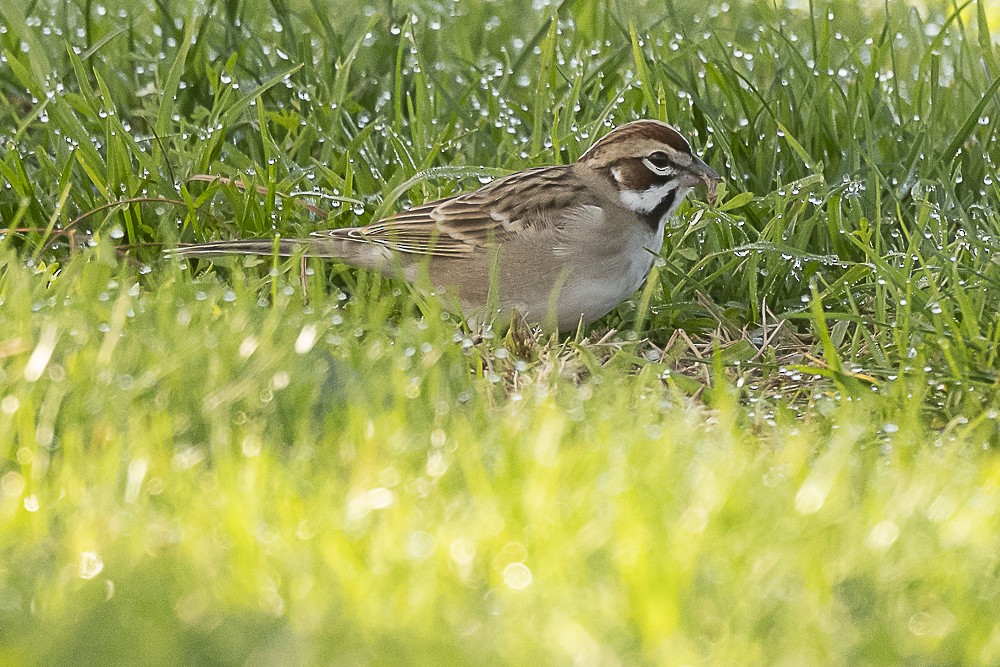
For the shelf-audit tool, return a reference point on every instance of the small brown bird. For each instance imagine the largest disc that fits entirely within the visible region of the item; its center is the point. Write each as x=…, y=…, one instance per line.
x=560, y=245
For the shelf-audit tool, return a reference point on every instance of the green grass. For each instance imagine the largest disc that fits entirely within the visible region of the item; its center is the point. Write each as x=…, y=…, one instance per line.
x=783, y=450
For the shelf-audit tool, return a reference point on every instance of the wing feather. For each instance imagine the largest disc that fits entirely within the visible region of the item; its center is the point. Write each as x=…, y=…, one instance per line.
x=514, y=206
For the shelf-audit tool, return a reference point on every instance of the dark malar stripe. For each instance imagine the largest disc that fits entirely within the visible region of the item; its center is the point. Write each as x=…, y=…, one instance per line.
x=653, y=217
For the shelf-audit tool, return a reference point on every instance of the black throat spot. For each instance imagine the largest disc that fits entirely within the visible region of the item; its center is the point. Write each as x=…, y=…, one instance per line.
x=653, y=217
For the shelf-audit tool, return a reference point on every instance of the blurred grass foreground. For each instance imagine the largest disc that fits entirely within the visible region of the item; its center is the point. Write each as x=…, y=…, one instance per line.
x=782, y=451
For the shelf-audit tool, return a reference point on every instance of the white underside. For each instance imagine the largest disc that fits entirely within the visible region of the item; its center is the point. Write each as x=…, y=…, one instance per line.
x=602, y=283
x=605, y=264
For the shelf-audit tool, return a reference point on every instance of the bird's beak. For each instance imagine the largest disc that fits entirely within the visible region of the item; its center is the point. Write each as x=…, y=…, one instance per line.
x=706, y=175
x=704, y=172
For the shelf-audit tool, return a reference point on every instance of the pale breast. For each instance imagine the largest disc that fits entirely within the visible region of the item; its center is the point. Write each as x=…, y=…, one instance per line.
x=604, y=276
x=578, y=271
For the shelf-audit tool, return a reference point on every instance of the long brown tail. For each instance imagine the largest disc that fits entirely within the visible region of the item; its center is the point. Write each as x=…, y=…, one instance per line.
x=284, y=248
x=334, y=245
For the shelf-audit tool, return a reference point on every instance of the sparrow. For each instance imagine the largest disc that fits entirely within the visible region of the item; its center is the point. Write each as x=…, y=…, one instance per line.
x=561, y=245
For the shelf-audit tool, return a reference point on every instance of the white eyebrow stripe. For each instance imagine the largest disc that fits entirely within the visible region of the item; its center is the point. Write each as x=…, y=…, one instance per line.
x=644, y=201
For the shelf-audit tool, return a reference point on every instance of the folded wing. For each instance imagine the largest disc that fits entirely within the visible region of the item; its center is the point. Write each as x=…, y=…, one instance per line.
x=518, y=206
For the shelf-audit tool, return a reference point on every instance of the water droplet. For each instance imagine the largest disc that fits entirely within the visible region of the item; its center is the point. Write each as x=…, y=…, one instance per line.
x=91, y=565
x=517, y=576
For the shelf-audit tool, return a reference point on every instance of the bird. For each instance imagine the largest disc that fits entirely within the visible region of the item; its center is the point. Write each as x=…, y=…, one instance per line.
x=559, y=245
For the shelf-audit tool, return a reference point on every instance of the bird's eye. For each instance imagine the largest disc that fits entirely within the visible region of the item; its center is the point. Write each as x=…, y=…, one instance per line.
x=659, y=160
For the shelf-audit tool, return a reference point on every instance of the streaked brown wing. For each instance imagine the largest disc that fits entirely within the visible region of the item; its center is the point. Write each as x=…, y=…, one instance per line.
x=521, y=203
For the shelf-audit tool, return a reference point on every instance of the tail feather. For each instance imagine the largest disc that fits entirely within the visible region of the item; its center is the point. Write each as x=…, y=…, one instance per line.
x=281, y=247
x=351, y=250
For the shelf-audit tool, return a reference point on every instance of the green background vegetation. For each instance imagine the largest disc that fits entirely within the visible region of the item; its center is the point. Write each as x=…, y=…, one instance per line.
x=781, y=451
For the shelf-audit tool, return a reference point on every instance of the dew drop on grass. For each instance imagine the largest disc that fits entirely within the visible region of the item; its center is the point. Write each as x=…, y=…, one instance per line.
x=31, y=503
x=810, y=498
x=248, y=347
x=280, y=380
x=9, y=405
x=462, y=551
x=883, y=535
x=517, y=576
x=91, y=564
x=420, y=545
